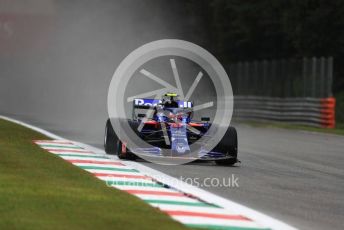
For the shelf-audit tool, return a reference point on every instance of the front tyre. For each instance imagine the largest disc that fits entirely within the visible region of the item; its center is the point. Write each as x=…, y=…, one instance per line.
x=229, y=146
x=113, y=145
x=110, y=139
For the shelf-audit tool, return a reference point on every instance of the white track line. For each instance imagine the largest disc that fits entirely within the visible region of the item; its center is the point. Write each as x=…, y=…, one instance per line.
x=93, y=171
x=256, y=216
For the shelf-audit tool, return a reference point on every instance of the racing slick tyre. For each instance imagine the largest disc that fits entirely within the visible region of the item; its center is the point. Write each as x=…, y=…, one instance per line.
x=110, y=139
x=228, y=145
x=122, y=150
x=113, y=145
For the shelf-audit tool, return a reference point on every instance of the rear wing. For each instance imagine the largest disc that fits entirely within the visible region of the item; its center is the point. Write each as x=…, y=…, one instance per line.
x=151, y=103
x=140, y=103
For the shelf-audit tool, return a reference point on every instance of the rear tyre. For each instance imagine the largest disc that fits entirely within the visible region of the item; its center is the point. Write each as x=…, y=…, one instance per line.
x=110, y=139
x=229, y=146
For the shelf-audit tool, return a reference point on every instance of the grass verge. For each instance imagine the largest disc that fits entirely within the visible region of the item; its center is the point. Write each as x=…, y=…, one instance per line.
x=40, y=191
x=339, y=130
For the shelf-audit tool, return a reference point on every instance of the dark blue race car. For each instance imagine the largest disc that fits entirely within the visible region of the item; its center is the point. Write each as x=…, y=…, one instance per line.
x=169, y=125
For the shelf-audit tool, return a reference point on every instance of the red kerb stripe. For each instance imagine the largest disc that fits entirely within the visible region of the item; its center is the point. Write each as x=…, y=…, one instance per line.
x=53, y=142
x=208, y=215
x=67, y=150
x=144, y=192
x=95, y=162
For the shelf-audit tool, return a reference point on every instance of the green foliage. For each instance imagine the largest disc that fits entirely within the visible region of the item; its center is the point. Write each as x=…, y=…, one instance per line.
x=273, y=29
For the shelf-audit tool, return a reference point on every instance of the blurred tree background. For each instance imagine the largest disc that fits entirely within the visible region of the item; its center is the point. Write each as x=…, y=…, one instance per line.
x=236, y=30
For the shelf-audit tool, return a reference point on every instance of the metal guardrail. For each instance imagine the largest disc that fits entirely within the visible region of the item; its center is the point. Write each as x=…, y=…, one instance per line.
x=318, y=112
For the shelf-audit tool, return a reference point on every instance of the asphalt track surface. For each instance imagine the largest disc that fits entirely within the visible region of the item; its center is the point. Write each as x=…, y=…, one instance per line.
x=294, y=176
x=56, y=66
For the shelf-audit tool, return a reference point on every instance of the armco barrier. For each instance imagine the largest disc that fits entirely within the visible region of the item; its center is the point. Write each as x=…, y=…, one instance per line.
x=318, y=112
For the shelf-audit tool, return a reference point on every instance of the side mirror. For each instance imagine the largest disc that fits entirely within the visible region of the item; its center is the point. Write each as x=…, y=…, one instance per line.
x=207, y=119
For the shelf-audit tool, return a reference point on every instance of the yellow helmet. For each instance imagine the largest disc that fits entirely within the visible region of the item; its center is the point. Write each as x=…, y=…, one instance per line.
x=171, y=94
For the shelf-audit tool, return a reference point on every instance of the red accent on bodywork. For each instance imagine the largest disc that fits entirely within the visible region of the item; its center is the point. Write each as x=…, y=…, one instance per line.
x=196, y=124
x=176, y=125
x=151, y=122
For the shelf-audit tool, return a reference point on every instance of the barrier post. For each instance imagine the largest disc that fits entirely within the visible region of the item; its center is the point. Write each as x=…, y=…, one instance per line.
x=328, y=106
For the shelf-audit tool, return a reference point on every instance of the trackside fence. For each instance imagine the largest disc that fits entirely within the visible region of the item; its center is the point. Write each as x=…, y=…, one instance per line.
x=305, y=111
x=296, y=91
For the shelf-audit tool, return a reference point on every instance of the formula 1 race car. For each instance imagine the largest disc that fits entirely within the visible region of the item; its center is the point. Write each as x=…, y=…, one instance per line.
x=170, y=126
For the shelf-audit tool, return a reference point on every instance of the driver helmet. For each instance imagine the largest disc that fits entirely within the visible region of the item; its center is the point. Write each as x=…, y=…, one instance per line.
x=169, y=100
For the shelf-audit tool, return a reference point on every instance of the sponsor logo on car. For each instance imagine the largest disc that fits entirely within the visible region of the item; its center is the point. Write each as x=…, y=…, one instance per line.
x=153, y=102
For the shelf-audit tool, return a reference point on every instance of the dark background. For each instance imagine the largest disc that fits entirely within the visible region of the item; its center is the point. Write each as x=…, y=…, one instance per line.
x=275, y=29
